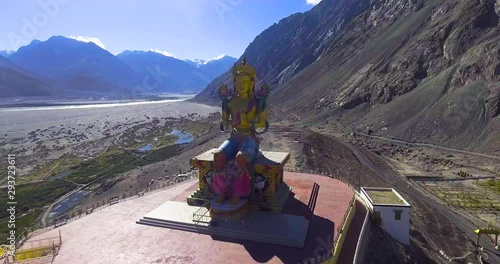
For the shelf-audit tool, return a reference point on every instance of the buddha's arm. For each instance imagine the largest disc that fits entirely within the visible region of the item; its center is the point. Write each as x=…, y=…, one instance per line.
x=261, y=119
x=224, y=96
x=225, y=116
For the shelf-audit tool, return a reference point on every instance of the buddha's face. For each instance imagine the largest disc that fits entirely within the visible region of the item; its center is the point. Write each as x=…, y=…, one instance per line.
x=243, y=84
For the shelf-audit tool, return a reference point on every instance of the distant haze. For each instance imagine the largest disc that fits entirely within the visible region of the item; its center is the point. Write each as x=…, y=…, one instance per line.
x=64, y=67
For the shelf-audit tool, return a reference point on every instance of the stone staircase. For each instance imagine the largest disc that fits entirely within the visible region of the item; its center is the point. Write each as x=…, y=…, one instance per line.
x=197, y=198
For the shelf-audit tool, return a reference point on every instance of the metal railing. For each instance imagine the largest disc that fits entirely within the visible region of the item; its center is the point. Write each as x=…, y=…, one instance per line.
x=340, y=228
x=202, y=214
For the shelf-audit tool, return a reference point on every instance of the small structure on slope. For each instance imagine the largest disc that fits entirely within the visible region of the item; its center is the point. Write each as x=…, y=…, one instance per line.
x=390, y=209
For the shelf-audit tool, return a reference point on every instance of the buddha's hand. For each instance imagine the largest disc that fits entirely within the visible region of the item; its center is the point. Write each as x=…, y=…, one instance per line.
x=223, y=125
x=261, y=128
x=261, y=124
x=261, y=120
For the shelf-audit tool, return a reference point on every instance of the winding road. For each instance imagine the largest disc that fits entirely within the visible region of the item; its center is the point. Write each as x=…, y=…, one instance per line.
x=430, y=145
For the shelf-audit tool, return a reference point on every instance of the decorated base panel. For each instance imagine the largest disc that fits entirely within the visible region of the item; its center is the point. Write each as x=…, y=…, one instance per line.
x=267, y=181
x=225, y=211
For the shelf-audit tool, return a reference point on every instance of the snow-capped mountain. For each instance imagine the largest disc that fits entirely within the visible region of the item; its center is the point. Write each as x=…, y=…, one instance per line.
x=175, y=76
x=215, y=66
x=199, y=63
x=61, y=65
x=6, y=53
x=196, y=62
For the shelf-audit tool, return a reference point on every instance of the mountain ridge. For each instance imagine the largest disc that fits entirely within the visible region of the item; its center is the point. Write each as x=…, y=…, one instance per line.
x=200, y=62
x=74, y=67
x=169, y=74
x=275, y=61
x=15, y=82
x=424, y=71
x=173, y=75
x=6, y=53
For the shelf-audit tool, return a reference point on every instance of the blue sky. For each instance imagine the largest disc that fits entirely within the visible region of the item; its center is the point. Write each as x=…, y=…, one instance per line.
x=186, y=29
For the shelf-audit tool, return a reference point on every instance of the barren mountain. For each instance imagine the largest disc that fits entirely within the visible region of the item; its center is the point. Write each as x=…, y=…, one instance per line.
x=411, y=69
x=16, y=82
x=166, y=74
x=75, y=66
x=292, y=44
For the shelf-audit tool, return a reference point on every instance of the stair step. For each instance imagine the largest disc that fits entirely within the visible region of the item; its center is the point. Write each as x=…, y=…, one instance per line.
x=199, y=199
x=196, y=201
x=200, y=229
x=166, y=221
x=233, y=233
x=280, y=229
x=173, y=224
x=222, y=231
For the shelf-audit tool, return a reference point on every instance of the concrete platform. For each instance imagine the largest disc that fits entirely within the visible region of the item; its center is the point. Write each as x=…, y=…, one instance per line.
x=265, y=227
x=111, y=235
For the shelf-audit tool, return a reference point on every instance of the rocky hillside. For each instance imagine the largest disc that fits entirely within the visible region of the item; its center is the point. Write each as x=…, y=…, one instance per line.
x=295, y=42
x=410, y=69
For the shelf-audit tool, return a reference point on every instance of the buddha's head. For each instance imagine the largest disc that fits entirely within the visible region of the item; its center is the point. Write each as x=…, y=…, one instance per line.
x=243, y=85
x=243, y=82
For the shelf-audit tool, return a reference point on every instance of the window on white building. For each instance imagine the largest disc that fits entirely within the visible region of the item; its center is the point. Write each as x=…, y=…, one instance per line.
x=397, y=214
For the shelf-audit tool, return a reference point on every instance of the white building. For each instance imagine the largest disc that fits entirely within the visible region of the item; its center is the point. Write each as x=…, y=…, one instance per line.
x=391, y=209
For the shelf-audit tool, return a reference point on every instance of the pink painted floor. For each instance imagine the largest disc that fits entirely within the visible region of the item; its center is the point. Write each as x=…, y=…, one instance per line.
x=112, y=236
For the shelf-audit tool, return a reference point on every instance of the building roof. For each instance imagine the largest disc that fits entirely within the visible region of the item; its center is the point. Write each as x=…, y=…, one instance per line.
x=384, y=196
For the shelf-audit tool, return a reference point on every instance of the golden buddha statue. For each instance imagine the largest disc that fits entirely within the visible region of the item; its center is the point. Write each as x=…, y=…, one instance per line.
x=247, y=114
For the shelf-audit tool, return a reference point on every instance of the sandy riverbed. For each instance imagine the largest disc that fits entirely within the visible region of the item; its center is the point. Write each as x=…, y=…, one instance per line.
x=54, y=131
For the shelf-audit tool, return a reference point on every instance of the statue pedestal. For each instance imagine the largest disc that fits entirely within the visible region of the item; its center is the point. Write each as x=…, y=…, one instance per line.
x=264, y=227
x=223, y=211
x=269, y=190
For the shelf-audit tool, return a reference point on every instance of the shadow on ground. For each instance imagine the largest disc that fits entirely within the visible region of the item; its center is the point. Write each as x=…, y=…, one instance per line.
x=318, y=241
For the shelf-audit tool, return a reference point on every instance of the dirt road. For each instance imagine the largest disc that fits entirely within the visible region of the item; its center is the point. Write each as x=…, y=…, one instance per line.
x=432, y=146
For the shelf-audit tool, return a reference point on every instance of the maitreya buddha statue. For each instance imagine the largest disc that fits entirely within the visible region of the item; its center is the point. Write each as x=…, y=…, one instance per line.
x=245, y=110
